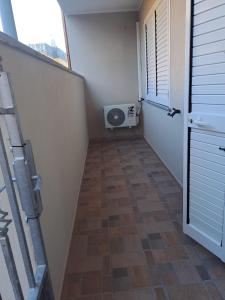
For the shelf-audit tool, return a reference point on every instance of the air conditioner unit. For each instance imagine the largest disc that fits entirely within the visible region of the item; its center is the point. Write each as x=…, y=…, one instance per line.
x=124, y=115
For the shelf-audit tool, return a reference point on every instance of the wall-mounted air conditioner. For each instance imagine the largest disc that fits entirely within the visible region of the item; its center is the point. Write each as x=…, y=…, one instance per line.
x=124, y=115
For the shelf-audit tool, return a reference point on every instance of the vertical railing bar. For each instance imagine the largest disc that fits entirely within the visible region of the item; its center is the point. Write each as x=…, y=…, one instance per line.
x=23, y=178
x=24, y=185
x=40, y=276
x=11, y=266
x=16, y=213
x=36, y=179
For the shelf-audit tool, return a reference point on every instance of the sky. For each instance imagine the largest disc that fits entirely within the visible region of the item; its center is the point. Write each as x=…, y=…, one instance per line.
x=38, y=21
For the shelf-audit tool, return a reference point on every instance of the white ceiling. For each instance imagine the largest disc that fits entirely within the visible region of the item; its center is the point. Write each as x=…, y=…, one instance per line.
x=76, y=7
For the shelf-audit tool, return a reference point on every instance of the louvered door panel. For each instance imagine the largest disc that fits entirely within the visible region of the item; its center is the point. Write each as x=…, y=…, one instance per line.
x=206, y=5
x=207, y=183
x=209, y=15
x=206, y=127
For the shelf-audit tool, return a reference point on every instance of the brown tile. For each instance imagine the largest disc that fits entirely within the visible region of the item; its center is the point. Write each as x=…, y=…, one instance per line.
x=155, y=276
x=84, y=264
x=92, y=283
x=152, y=205
x=124, y=230
x=169, y=254
x=114, y=220
x=154, y=236
x=130, y=259
x=127, y=219
x=120, y=272
x=117, y=245
x=217, y=271
x=170, y=238
x=107, y=296
x=107, y=265
x=167, y=274
x=145, y=244
x=98, y=238
x=221, y=286
x=192, y=255
x=161, y=215
x=79, y=245
x=186, y=272
x=157, y=244
x=159, y=294
x=140, y=294
x=140, y=276
x=132, y=243
x=121, y=283
x=107, y=284
x=187, y=292
x=105, y=223
x=150, y=259
x=213, y=291
x=72, y=289
x=203, y=272
x=98, y=249
x=202, y=252
x=155, y=227
x=91, y=297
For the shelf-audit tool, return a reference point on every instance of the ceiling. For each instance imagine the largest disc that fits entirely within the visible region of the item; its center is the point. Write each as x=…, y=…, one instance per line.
x=76, y=7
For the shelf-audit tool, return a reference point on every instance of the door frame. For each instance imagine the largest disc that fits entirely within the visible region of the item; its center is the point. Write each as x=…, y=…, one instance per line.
x=187, y=228
x=187, y=103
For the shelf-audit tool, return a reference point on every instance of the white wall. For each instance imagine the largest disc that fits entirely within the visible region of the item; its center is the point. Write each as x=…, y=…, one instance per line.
x=163, y=133
x=103, y=48
x=51, y=106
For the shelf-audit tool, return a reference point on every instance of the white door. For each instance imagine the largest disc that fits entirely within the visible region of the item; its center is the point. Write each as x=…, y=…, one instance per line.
x=204, y=160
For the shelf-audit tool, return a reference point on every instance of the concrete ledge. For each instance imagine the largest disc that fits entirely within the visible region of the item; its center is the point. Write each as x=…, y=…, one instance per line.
x=12, y=43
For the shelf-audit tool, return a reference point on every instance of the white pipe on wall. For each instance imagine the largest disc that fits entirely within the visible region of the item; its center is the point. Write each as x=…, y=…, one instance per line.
x=139, y=60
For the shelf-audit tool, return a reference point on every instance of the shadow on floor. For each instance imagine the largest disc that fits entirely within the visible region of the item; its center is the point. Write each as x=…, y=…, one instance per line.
x=128, y=242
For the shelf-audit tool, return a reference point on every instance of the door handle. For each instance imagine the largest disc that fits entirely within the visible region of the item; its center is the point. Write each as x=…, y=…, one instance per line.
x=222, y=148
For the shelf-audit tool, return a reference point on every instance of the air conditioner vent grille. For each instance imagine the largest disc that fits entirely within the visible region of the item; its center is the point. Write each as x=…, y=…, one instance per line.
x=116, y=117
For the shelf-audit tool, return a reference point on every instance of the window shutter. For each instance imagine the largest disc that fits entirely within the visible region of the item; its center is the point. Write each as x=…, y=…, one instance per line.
x=157, y=53
x=150, y=57
x=162, y=52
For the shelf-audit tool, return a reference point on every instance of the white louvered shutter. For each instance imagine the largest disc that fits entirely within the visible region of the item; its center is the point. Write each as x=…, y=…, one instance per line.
x=150, y=57
x=162, y=52
x=157, y=53
x=206, y=127
x=207, y=162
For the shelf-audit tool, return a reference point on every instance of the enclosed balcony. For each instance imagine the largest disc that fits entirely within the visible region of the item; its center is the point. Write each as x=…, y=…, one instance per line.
x=112, y=149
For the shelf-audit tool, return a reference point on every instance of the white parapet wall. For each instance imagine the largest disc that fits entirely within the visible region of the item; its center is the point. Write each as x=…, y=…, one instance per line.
x=51, y=105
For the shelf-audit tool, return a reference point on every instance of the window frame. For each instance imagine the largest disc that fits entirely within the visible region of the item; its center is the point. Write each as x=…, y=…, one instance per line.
x=148, y=96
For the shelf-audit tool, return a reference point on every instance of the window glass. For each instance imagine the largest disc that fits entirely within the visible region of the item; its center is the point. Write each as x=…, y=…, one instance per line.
x=39, y=25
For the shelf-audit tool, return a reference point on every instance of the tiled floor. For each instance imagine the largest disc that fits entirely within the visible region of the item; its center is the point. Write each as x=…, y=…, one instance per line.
x=128, y=242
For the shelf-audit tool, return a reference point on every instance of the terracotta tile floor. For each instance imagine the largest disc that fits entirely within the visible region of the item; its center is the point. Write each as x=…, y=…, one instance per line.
x=128, y=242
